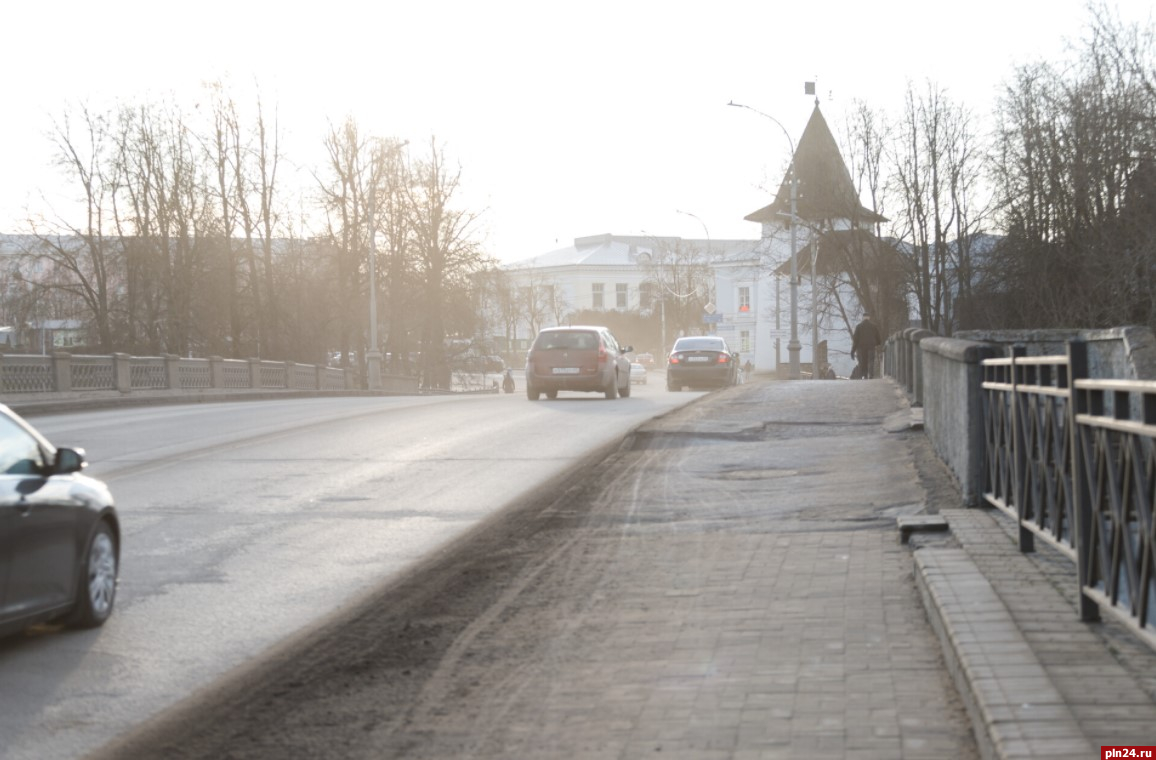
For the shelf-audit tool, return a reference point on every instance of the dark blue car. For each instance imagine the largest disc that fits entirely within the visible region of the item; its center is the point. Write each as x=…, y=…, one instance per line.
x=703, y=361
x=59, y=534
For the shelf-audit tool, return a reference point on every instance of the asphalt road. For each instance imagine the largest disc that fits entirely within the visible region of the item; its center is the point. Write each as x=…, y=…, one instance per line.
x=247, y=524
x=727, y=584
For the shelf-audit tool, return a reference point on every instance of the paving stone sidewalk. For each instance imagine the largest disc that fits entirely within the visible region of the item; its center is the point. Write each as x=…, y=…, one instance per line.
x=806, y=628
x=757, y=601
x=1038, y=682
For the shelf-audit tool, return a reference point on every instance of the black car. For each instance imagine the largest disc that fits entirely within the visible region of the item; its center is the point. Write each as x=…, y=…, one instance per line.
x=704, y=361
x=59, y=534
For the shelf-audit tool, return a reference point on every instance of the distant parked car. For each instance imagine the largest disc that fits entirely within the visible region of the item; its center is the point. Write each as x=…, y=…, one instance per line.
x=638, y=373
x=704, y=361
x=580, y=358
x=646, y=360
x=59, y=534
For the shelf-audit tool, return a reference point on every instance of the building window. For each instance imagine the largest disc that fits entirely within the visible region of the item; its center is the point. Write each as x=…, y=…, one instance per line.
x=622, y=294
x=647, y=298
x=745, y=341
x=596, y=296
x=744, y=299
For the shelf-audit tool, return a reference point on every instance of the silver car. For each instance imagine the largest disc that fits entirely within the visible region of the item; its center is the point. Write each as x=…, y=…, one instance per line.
x=584, y=358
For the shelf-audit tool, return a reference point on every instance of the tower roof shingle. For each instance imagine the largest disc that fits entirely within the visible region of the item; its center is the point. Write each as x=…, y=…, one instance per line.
x=825, y=189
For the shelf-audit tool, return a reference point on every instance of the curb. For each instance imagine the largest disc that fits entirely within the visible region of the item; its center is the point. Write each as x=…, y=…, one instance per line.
x=1015, y=709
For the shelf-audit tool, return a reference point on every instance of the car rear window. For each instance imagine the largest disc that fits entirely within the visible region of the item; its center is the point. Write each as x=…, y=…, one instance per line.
x=699, y=344
x=566, y=340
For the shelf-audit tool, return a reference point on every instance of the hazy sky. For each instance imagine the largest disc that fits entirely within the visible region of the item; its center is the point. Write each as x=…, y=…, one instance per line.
x=568, y=119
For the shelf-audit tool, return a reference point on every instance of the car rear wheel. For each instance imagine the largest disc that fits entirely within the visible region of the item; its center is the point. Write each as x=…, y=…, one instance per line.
x=97, y=592
x=532, y=393
x=551, y=395
x=624, y=391
x=612, y=388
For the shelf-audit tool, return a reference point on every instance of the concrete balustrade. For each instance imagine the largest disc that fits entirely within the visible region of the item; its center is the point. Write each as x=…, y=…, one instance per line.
x=63, y=372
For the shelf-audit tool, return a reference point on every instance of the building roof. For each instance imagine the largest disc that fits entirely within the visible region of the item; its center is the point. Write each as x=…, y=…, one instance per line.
x=622, y=251
x=838, y=248
x=825, y=190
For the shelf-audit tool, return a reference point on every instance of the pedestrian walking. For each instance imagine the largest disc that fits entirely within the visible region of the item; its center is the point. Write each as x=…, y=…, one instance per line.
x=866, y=339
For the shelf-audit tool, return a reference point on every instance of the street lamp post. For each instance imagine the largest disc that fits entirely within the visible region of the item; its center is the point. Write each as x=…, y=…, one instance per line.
x=815, y=368
x=793, y=345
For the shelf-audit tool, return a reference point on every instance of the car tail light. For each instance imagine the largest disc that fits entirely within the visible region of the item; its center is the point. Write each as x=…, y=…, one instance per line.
x=723, y=358
x=674, y=358
x=602, y=357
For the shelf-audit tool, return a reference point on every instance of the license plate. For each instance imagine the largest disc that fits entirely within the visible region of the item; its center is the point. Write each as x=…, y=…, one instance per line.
x=565, y=370
x=698, y=359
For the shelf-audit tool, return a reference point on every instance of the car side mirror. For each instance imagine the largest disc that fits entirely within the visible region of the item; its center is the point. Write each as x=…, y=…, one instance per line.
x=69, y=461
x=628, y=349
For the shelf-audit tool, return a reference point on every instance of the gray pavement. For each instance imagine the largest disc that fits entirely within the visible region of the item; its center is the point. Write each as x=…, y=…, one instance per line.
x=740, y=590
x=765, y=606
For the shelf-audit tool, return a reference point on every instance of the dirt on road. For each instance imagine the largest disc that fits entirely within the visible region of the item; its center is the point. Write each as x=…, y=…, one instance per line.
x=462, y=656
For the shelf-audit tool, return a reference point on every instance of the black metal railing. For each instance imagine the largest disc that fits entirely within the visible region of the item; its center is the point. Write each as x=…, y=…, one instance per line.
x=1116, y=480
x=1073, y=461
x=1028, y=461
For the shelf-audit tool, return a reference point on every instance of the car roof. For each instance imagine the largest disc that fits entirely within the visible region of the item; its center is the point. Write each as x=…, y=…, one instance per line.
x=575, y=327
x=707, y=338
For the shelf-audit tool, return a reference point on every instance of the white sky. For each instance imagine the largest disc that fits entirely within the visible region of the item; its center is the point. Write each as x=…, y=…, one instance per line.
x=568, y=119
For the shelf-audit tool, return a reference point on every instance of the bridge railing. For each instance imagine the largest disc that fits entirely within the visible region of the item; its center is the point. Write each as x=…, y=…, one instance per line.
x=62, y=372
x=1114, y=482
x=1027, y=441
x=903, y=361
x=1072, y=460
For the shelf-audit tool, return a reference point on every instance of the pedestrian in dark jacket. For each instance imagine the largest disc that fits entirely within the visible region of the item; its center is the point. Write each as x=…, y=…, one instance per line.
x=866, y=339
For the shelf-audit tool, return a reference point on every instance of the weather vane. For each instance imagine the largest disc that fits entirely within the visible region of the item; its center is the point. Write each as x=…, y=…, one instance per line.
x=809, y=89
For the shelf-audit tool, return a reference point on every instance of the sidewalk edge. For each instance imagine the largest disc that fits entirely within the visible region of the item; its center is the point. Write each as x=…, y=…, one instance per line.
x=1015, y=711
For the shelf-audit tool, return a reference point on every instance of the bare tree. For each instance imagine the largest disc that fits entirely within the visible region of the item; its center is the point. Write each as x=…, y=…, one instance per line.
x=224, y=151
x=391, y=180
x=681, y=279
x=937, y=167
x=863, y=261
x=349, y=156
x=84, y=257
x=1074, y=144
x=447, y=253
x=538, y=300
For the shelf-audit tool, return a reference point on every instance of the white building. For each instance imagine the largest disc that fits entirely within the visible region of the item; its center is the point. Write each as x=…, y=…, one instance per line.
x=746, y=295
x=646, y=275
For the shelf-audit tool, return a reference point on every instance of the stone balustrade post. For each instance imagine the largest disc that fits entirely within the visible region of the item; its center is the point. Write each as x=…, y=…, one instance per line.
x=62, y=371
x=917, y=364
x=122, y=372
x=216, y=372
x=172, y=373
